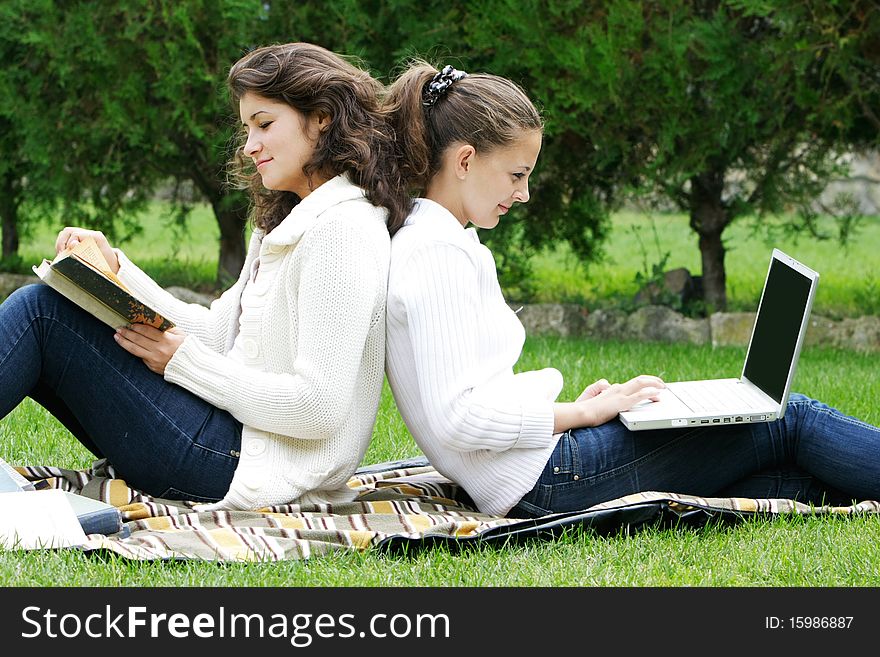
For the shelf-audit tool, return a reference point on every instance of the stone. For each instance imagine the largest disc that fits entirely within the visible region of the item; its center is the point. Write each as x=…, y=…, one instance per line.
x=9, y=283
x=678, y=284
x=731, y=329
x=662, y=324
x=606, y=324
x=821, y=332
x=860, y=334
x=190, y=296
x=565, y=320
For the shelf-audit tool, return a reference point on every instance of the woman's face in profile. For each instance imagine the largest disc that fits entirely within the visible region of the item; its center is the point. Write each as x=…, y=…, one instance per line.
x=499, y=178
x=280, y=141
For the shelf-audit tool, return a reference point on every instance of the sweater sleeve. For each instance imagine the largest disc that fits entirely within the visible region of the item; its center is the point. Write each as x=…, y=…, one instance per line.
x=469, y=404
x=334, y=307
x=210, y=325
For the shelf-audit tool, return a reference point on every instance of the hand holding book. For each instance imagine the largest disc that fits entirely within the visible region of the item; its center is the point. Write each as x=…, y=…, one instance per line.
x=151, y=345
x=82, y=274
x=71, y=236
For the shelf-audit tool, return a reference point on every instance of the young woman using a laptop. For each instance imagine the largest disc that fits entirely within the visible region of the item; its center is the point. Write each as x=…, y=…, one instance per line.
x=468, y=144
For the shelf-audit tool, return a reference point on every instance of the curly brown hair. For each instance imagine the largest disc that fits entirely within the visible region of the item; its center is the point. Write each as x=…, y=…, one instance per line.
x=359, y=140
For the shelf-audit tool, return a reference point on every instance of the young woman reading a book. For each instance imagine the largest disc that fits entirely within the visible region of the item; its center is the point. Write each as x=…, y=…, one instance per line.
x=270, y=395
x=468, y=144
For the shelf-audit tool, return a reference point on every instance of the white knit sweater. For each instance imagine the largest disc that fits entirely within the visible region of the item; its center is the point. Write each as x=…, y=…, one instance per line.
x=452, y=345
x=307, y=371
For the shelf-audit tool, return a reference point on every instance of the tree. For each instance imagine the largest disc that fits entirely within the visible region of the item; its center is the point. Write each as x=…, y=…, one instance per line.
x=722, y=108
x=122, y=96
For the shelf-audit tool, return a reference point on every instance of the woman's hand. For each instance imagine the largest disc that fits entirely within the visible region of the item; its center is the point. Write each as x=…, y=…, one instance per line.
x=594, y=389
x=151, y=345
x=601, y=402
x=71, y=236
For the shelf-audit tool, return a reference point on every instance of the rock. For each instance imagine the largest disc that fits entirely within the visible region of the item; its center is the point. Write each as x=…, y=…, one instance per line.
x=610, y=324
x=662, y=324
x=9, y=283
x=821, y=332
x=678, y=285
x=566, y=320
x=731, y=329
x=861, y=334
x=189, y=296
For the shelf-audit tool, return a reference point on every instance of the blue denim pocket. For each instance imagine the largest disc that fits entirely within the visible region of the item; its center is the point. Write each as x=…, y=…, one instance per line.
x=565, y=462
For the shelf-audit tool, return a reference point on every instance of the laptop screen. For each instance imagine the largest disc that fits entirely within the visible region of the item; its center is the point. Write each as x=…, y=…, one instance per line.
x=778, y=324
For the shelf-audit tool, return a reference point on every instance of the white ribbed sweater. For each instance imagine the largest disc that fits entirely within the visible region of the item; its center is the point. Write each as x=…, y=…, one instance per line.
x=452, y=343
x=308, y=367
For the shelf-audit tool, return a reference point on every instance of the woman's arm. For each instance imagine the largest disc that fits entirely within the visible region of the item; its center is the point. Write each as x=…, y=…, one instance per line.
x=471, y=400
x=467, y=405
x=211, y=325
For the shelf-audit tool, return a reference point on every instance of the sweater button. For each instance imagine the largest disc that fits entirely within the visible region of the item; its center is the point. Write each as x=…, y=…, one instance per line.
x=251, y=348
x=255, y=447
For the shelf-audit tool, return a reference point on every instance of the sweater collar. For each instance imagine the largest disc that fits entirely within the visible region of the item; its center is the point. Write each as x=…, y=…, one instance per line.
x=427, y=211
x=308, y=212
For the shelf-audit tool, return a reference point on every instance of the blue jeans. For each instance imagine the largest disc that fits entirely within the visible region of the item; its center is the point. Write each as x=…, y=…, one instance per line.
x=814, y=454
x=159, y=437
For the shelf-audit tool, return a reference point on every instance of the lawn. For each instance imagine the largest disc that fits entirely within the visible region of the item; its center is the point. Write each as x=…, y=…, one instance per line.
x=781, y=552
x=849, y=284
x=850, y=274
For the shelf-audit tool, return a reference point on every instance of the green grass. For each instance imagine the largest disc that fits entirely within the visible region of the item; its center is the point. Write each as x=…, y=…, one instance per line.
x=793, y=551
x=849, y=285
x=171, y=254
x=781, y=552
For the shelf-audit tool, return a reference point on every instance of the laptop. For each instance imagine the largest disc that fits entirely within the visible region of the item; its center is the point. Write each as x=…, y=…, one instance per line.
x=761, y=392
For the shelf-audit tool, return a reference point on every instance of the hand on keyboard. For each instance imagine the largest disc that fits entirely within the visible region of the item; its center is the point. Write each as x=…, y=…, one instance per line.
x=591, y=411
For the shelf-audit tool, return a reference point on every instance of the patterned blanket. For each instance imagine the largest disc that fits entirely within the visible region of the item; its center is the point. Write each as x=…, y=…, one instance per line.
x=398, y=505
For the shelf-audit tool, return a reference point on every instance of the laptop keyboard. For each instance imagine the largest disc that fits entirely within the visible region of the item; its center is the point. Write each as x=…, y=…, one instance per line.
x=717, y=397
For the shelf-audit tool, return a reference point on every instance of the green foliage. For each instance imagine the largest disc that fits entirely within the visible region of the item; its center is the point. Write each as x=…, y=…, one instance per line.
x=720, y=109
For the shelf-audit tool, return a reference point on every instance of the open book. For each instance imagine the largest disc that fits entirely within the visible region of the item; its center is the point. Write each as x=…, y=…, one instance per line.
x=82, y=275
x=32, y=518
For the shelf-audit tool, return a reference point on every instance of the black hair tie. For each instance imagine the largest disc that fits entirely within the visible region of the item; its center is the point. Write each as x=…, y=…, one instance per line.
x=440, y=84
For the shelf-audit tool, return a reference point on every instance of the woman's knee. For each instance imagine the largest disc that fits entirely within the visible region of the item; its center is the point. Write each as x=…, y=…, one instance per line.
x=33, y=295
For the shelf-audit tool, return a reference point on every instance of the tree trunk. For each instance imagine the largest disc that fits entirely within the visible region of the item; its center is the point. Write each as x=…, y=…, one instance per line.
x=231, y=216
x=709, y=217
x=232, y=247
x=9, y=212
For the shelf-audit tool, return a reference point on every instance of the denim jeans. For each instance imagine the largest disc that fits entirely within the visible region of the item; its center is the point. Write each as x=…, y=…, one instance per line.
x=159, y=437
x=814, y=454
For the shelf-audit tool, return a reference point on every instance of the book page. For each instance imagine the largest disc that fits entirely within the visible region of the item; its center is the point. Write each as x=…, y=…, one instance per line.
x=32, y=520
x=90, y=253
x=11, y=480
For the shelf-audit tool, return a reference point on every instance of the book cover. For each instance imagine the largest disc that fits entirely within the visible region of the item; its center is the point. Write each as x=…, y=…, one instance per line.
x=95, y=517
x=83, y=276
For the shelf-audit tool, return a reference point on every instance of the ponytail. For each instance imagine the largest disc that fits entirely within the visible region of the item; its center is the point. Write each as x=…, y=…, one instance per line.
x=430, y=110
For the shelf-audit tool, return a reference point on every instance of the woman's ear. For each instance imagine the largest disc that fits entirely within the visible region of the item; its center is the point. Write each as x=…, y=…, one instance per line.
x=463, y=160
x=320, y=122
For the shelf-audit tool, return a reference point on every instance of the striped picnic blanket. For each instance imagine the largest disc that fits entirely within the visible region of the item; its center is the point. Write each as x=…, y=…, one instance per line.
x=398, y=505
